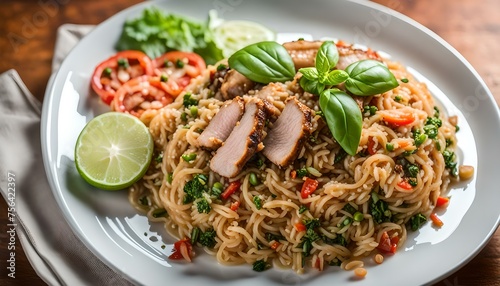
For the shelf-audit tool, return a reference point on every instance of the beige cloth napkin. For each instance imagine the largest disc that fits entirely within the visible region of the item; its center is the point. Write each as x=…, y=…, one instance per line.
x=55, y=253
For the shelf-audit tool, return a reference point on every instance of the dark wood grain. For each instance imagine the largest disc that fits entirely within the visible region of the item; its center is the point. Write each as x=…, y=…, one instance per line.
x=27, y=36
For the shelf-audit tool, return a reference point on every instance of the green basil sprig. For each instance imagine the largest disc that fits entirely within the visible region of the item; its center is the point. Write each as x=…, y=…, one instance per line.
x=369, y=77
x=264, y=62
x=343, y=117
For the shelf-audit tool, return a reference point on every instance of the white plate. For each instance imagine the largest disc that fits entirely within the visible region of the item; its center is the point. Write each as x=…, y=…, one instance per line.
x=131, y=245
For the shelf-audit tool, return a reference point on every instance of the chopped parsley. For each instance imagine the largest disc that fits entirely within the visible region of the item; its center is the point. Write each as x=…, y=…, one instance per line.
x=379, y=209
x=194, y=189
x=159, y=213
x=340, y=156
x=275, y=237
x=260, y=265
x=302, y=209
x=349, y=208
x=405, y=80
x=450, y=161
x=203, y=206
x=302, y=172
x=188, y=100
x=221, y=67
x=207, y=238
x=258, y=202
x=417, y=221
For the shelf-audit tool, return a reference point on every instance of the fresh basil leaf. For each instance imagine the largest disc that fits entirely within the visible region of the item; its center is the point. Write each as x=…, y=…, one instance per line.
x=369, y=77
x=327, y=57
x=334, y=77
x=309, y=73
x=311, y=86
x=343, y=117
x=264, y=62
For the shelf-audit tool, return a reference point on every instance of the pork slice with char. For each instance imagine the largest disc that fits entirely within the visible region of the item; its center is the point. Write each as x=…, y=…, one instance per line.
x=303, y=53
x=288, y=133
x=243, y=142
x=222, y=124
x=235, y=84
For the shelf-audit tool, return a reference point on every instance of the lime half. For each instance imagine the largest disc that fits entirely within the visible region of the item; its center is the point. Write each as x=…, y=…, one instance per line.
x=232, y=36
x=113, y=151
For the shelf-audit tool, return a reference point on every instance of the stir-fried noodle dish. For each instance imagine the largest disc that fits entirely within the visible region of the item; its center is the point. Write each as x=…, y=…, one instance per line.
x=335, y=162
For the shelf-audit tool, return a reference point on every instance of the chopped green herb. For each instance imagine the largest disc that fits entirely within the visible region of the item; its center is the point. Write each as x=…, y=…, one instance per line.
x=145, y=234
x=457, y=128
x=431, y=131
x=188, y=100
x=258, y=202
x=203, y=206
x=163, y=246
x=207, y=238
x=436, y=111
x=420, y=139
x=405, y=80
x=345, y=222
x=339, y=239
x=379, y=210
x=221, y=67
x=413, y=182
x=159, y=158
x=179, y=63
x=438, y=145
x=144, y=201
x=260, y=265
x=434, y=121
x=254, y=181
x=302, y=172
x=189, y=157
x=194, y=189
x=260, y=163
x=335, y=262
x=312, y=223
x=167, y=63
x=107, y=72
x=195, y=235
x=170, y=177
x=398, y=98
x=302, y=209
x=184, y=116
x=450, y=161
x=340, y=156
x=408, y=153
x=123, y=63
x=320, y=113
x=271, y=236
x=412, y=170
x=417, y=221
x=163, y=77
x=449, y=142
x=159, y=213
x=349, y=208
x=389, y=147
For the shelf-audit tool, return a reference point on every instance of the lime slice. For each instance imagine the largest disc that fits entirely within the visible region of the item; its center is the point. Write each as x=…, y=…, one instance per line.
x=232, y=36
x=113, y=151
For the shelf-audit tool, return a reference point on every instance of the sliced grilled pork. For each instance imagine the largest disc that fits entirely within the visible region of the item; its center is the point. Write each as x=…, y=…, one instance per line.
x=288, y=133
x=349, y=55
x=235, y=84
x=242, y=143
x=222, y=124
x=303, y=54
x=266, y=94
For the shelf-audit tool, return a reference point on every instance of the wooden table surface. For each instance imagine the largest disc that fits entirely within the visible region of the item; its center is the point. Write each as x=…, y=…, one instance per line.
x=471, y=26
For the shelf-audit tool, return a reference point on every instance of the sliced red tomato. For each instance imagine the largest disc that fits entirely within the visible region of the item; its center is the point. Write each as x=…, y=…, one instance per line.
x=403, y=184
x=235, y=205
x=308, y=187
x=110, y=75
x=140, y=94
x=436, y=220
x=442, y=201
x=398, y=118
x=179, y=67
x=386, y=244
x=182, y=250
x=233, y=187
x=300, y=227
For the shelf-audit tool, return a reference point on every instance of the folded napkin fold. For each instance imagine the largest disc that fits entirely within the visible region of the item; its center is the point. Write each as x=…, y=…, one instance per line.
x=53, y=250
